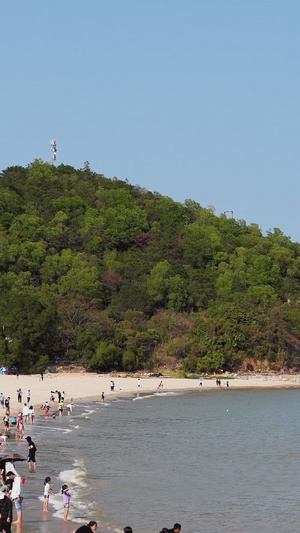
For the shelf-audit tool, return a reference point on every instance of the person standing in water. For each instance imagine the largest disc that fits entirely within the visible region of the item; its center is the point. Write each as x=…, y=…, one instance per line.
x=16, y=495
x=61, y=408
x=31, y=415
x=31, y=454
x=66, y=500
x=102, y=396
x=47, y=492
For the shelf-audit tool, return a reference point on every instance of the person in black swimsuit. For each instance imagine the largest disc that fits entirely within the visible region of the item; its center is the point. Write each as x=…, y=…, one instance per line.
x=31, y=454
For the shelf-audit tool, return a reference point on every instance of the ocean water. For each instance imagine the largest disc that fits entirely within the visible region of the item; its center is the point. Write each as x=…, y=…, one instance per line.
x=211, y=460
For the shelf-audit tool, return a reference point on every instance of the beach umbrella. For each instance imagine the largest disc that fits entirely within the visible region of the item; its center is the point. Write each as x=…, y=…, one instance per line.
x=13, y=457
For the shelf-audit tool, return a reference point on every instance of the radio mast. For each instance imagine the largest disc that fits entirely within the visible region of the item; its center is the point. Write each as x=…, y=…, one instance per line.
x=53, y=150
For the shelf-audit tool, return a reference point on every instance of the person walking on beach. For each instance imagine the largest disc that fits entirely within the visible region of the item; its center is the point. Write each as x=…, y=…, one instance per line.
x=7, y=405
x=47, y=492
x=42, y=376
x=20, y=394
x=112, y=385
x=28, y=396
x=2, y=400
x=139, y=382
x=6, y=423
x=66, y=500
x=102, y=397
x=16, y=495
x=31, y=454
x=58, y=396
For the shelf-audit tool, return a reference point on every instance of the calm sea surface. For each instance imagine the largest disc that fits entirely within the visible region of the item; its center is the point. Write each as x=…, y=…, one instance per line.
x=217, y=460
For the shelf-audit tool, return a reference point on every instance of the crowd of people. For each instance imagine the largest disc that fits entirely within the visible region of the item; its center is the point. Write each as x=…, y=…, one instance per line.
x=27, y=414
x=11, y=487
x=11, y=490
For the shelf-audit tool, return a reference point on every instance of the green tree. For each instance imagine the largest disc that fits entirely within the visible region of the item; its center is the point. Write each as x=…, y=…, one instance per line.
x=107, y=356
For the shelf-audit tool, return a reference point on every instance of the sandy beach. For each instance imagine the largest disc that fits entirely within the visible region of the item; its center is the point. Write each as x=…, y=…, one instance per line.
x=89, y=386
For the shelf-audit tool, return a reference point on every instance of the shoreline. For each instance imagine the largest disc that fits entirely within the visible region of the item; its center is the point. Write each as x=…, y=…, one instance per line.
x=83, y=387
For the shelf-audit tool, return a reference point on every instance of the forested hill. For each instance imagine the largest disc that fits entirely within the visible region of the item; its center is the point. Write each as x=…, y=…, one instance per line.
x=99, y=272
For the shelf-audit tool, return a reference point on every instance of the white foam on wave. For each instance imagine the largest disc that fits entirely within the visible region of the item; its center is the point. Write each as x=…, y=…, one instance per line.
x=75, y=476
x=76, y=479
x=155, y=394
x=54, y=428
x=88, y=412
x=170, y=393
x=143, y=397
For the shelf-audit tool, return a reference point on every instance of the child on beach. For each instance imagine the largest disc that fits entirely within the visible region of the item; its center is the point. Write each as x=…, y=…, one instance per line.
x=6, y=422
x=66, y=499
x=31, y=414
x=47, y=492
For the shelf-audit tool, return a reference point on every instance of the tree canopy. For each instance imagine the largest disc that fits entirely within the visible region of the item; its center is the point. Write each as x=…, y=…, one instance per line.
x=99, y=272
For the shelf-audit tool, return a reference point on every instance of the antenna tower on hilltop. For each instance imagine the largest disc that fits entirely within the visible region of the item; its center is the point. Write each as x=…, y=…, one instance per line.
x=53, y=150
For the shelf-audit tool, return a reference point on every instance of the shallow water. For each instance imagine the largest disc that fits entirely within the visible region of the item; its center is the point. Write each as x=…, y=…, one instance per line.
x=218, y=459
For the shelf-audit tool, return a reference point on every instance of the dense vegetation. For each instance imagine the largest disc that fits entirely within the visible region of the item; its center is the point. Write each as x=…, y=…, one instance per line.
x=106, y=274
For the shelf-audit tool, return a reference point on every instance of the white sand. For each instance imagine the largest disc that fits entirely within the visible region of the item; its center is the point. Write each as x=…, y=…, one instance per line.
x=80, y=386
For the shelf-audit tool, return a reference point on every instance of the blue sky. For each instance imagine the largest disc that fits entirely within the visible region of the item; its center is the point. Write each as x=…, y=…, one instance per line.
x=193, y=99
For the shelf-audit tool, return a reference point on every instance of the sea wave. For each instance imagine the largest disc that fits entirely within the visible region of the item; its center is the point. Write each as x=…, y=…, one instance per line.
x=76, y=476
x=155, y=394
x=54, y=428
x=76, y=479
x=88, y=412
